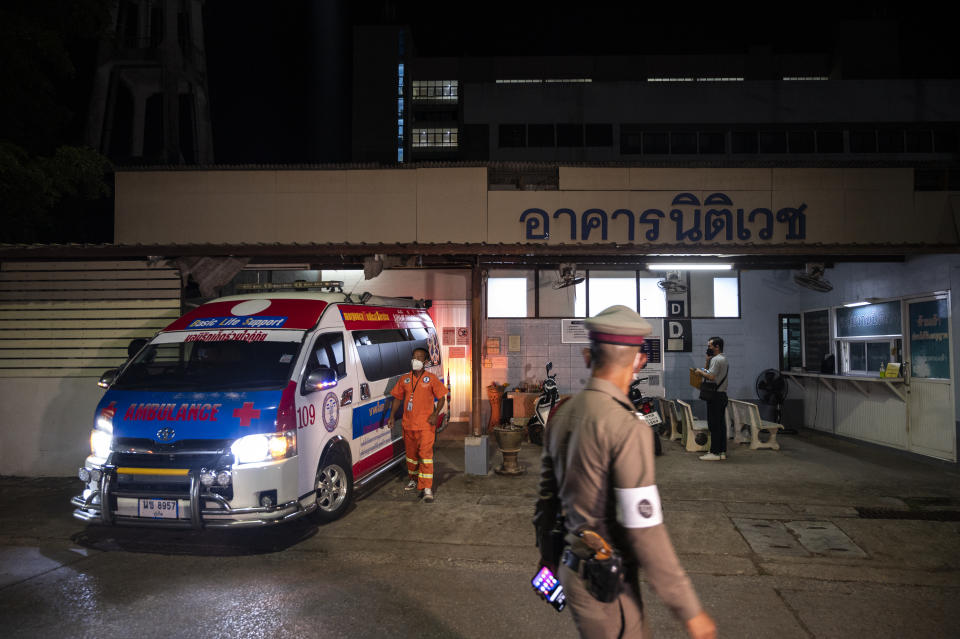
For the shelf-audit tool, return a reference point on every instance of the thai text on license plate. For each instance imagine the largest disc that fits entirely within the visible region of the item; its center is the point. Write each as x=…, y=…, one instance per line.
x=652, y=418
x=159, y=509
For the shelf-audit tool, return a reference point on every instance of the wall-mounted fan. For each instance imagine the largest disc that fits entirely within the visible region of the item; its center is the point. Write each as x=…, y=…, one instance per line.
x=812, y=277
x=673, y=282
x=567, y=276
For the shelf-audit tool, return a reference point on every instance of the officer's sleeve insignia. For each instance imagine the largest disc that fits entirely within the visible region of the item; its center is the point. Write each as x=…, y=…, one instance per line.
x=639, y=507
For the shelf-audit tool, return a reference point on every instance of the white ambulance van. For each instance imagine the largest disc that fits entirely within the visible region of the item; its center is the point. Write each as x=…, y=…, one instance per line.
x=253, y=410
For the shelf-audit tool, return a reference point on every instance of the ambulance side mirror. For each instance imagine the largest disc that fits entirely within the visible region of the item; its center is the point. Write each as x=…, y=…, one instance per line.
x=320, y=379
x=108, y=377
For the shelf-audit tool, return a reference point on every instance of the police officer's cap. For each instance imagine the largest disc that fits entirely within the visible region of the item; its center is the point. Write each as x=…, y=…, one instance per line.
x=618, y=325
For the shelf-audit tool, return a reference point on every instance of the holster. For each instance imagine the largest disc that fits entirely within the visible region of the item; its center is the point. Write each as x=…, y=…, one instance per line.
x=603, y=578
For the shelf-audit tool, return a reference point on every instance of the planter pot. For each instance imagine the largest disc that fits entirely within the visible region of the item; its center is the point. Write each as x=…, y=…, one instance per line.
x=509, y=439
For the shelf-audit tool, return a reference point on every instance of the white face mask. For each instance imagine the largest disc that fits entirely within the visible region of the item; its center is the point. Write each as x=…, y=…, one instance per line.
x=417, y=364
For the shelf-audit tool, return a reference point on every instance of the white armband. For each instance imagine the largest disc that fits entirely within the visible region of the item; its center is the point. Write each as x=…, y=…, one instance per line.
x=639, y=507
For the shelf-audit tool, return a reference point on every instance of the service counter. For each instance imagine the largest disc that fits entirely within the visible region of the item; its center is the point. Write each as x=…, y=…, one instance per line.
x=870, y=408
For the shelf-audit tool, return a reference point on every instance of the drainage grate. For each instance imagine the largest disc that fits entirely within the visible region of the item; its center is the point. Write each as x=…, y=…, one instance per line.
x=921, y=515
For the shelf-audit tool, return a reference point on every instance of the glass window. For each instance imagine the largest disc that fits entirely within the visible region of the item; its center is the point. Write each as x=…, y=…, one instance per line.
x=435, y=138
x=743, y=142
x=510, y=294
x=773, y=142
x=569, y=301
x=656, y=142
x=328, y=353
x=653, y=299
x=858, y=356
x=863, y=141
x=513, y=135
x=569, y=135
x=607, y=288
x=436, y=90
x=683, y=142
x=801, y=141
x=919, y=141
x=726, y=297
x=712, y=142
x=829, y=141
x=599, y=134
x=540, y=135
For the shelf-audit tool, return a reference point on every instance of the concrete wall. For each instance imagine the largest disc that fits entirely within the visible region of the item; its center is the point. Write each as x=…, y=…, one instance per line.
x=47, y=425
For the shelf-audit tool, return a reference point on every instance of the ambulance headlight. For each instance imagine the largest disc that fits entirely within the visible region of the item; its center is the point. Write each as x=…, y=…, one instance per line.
x=258, y=448
x=100, y=443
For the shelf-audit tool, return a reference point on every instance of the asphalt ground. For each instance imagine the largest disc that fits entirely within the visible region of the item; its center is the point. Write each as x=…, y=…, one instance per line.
x=776, y=543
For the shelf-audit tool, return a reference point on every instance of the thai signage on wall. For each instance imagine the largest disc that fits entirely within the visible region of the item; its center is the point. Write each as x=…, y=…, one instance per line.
x=930, y=339
x=869, y=320
x=717, y=218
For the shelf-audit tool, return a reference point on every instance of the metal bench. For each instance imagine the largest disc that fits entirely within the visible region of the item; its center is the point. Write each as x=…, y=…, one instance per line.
x=746, y=415
x=695, y=435
x=668, y=410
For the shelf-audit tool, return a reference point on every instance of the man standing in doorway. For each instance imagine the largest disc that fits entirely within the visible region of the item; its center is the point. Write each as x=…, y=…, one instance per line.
x=416, y=392
x=716, y=370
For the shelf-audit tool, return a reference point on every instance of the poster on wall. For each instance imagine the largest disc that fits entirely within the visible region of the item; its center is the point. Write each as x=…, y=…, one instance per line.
x=463, y=336
x=572, y=331
x=930, y=339
x=449, y=336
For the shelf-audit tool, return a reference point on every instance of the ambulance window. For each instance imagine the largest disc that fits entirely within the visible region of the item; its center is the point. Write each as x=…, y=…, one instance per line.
x=328, y=353
x=384, y=353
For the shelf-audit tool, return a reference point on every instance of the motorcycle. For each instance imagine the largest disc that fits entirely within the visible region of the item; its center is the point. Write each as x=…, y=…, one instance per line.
x=645, y=409
x=549, y=394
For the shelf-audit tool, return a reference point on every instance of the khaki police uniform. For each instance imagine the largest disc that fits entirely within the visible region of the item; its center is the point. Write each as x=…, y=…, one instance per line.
x=596, y=446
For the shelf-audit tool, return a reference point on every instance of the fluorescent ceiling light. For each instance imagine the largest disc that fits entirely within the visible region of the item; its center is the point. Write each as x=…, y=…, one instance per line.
x=689, y=267
x=852, y=304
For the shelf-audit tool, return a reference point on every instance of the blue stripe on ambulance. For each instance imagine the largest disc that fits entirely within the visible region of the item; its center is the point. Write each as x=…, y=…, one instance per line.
x=215, y=415
x=370, y=417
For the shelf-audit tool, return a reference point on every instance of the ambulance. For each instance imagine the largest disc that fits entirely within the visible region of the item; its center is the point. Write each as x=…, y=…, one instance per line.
x=253, y=410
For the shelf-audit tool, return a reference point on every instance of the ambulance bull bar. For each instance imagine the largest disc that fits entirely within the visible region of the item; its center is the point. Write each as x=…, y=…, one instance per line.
x=90, y=512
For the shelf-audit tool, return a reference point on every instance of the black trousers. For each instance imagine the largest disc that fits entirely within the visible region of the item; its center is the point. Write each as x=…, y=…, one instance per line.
x=717, y=423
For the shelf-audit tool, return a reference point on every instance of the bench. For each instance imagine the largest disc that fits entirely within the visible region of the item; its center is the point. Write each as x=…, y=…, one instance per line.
x=746, y=415
x=695, y=435
x=668, y=411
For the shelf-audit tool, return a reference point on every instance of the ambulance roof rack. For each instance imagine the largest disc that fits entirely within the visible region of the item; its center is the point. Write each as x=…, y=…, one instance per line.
x=328, y=286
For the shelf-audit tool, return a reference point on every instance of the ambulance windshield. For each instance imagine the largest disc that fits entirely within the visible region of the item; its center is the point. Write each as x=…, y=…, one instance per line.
x=178, y=362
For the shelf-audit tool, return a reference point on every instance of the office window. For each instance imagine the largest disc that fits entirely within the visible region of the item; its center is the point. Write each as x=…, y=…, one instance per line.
x=510, y=293
x=540, y=135
x=801, y=141
x=607, y=288
x=569, y=135
x=726, y=297
x=863, y=141
x=919, y=141
x=513, y=135
x=829, y=141
x=683, y=142
x=435, y=90
x=656, y=142
x=598, y=135
x=773, y=142
x=945, y=141
x=712, y=142
x=653, y=299
x=743, y=142
x=435, y=138
x=890, y=141
x=631, y=139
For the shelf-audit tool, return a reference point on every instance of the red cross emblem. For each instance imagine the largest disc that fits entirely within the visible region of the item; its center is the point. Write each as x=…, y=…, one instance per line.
x=246, y=413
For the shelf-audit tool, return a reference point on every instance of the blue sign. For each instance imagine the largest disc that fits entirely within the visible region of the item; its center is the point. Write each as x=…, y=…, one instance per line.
x=722, y=221
x=251, y=321
x=869, y=320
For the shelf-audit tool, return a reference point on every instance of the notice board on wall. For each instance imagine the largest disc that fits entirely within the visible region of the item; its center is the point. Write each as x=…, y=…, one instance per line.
x=930, y=339
x=816, y=334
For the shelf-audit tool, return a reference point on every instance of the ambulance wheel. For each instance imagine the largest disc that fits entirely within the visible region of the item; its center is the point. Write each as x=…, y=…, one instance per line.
x=334, y=487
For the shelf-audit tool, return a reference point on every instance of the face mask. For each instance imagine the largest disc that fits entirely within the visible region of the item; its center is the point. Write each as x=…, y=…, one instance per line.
x=417, y=364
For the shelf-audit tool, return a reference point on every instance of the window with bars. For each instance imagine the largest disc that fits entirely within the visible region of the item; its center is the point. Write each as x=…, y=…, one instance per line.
x=436, y=90
x=435, y=138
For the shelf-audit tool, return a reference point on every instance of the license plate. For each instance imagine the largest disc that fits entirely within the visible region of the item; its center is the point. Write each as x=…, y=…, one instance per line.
x=159, y=509
x=652, y=418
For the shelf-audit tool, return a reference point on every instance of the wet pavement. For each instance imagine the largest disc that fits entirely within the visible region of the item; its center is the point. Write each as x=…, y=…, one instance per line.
x=774, y=542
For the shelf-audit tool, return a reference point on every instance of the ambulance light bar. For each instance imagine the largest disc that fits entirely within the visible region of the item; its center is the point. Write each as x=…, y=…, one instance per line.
x=331, y=286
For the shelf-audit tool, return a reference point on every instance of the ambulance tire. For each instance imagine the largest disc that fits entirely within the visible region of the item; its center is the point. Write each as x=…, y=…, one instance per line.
x=334, y=487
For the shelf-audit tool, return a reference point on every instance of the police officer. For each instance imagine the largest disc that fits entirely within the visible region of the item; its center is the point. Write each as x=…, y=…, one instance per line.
x=598, y=475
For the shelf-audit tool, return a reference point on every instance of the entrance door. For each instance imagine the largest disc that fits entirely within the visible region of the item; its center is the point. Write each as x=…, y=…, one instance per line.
x=930, y=408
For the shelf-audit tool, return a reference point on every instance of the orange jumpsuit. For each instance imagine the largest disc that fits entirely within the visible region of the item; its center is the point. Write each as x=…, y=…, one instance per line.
x=418, y=395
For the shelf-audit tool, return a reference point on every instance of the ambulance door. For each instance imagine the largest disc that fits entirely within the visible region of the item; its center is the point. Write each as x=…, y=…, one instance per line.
x=325, y=413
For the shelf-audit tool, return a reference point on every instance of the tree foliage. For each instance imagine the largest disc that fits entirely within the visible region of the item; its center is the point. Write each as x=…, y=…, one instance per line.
x=51, y=188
